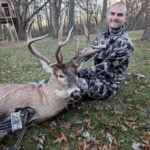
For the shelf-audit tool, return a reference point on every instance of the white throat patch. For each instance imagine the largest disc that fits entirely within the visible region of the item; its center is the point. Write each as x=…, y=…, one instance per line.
x=65, y=93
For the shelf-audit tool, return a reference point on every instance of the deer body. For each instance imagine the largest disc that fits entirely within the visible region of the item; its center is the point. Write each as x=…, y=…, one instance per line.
x=51, y=98
x=47, y=100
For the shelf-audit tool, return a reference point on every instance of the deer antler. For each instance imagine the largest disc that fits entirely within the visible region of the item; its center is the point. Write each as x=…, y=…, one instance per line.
x=89, y=52
x=61, y=43
x=91, y=49
x=32, y=47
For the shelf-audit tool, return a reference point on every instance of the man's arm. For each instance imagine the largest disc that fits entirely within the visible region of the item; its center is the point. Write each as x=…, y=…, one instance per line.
x=121, y=51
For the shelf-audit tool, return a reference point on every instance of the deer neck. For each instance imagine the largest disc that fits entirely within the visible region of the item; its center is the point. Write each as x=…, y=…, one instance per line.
x=53, y=93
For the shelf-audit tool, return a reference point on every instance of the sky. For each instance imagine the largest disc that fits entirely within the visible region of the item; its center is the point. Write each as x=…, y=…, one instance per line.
x=111, y=1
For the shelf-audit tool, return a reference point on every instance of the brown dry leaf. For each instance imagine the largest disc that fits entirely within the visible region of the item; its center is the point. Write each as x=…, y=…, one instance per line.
x=111, y=125
x=123, y=128
x=128, y=106
x=40, y=138
x=113, y=143
x=80, y=146
x=78, y=132
x=116, y=112
x=109, y=137
x=66, y=125
x=34, y=138
x=60, y=138
x=88, y=145
x=112, y=147
x=130, y=124
x=64, y=148
x=89, y=125
x=146, y=136
x=143, y=142
x=45, y=125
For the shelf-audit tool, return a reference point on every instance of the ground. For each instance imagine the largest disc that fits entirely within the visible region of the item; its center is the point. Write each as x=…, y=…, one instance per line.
x=121, y=123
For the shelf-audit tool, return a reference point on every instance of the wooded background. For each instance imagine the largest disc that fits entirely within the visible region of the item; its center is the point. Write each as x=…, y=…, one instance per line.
x=48, y=14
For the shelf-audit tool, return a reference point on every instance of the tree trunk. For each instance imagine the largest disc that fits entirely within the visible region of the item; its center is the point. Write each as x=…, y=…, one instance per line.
x=21, y=8
x=39, y=22
x=50, y=18
x=1, y=33
x=71, y=15
x=56, y=5
x=146, y=34
x=103, y=17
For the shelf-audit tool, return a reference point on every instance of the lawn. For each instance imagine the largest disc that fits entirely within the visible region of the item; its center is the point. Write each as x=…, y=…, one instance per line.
x=117, y=124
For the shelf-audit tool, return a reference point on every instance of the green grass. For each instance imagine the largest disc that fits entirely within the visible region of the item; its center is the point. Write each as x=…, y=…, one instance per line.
x=126, y=117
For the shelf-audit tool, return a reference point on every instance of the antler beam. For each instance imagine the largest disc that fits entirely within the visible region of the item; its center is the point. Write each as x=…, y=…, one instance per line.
x=31, y=46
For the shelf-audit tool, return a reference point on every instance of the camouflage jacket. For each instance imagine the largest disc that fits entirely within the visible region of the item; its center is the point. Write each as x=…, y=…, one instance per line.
x=111, y=62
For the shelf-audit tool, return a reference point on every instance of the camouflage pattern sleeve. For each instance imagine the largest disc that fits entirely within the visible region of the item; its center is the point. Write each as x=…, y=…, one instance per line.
x=115, y=56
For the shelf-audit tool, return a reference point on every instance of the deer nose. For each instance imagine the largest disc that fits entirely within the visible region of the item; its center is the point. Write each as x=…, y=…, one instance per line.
x=75, y=95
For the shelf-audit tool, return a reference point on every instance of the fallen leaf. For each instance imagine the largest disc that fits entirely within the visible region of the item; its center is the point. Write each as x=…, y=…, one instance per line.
x=139, y=75
x=136, y=146
x=60, y=138
x=123, y=128
x=34, y=138
x=89, y=125
x=40, y=138
x=64, y=148
x=116, y=112
x=143, y=142
x=66, y=125
x=146, y=136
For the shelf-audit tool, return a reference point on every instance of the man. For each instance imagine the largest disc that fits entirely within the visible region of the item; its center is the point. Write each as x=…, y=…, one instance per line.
x=102, y=80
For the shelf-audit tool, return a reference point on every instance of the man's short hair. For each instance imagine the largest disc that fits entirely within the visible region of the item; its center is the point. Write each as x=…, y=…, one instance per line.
x=121, y=4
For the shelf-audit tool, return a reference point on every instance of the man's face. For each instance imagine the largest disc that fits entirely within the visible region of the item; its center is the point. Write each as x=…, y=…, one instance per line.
x=116, y=17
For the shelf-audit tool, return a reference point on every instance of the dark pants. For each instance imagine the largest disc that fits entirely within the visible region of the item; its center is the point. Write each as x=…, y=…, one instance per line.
x=97, y=88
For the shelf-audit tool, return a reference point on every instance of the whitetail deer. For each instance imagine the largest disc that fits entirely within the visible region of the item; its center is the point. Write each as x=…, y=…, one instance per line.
x=51, y=98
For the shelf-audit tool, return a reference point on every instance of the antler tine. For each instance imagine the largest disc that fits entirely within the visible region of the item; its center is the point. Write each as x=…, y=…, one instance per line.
x=61, y=43
x=89, y=52
x=32, y=47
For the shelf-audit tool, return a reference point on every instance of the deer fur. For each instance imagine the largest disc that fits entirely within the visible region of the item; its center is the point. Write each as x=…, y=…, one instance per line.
x=51, y=98
x=47, y=100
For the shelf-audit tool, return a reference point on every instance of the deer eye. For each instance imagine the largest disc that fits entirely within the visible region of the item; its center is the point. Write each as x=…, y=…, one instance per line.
x=61, y=76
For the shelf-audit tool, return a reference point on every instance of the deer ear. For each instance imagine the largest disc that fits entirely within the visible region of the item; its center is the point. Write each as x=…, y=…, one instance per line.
x=46, y=67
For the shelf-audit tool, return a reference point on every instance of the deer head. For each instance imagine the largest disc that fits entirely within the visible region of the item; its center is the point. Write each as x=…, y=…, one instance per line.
x=63, y=73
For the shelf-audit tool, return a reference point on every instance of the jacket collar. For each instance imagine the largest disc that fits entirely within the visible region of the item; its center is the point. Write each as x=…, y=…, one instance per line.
x=115, y=32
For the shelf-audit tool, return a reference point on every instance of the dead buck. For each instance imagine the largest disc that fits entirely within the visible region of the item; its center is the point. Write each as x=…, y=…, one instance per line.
x=51, y=98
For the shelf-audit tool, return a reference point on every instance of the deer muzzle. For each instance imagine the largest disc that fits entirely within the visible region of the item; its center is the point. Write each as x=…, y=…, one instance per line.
x=75, y=95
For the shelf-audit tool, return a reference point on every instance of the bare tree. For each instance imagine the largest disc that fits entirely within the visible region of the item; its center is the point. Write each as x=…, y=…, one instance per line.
x=89, y=9
x=136, y=13
x=103, y=17
x=24, y=14
x=56, y=8
x=50, y=17
x=71, y=13
x=146, y=34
